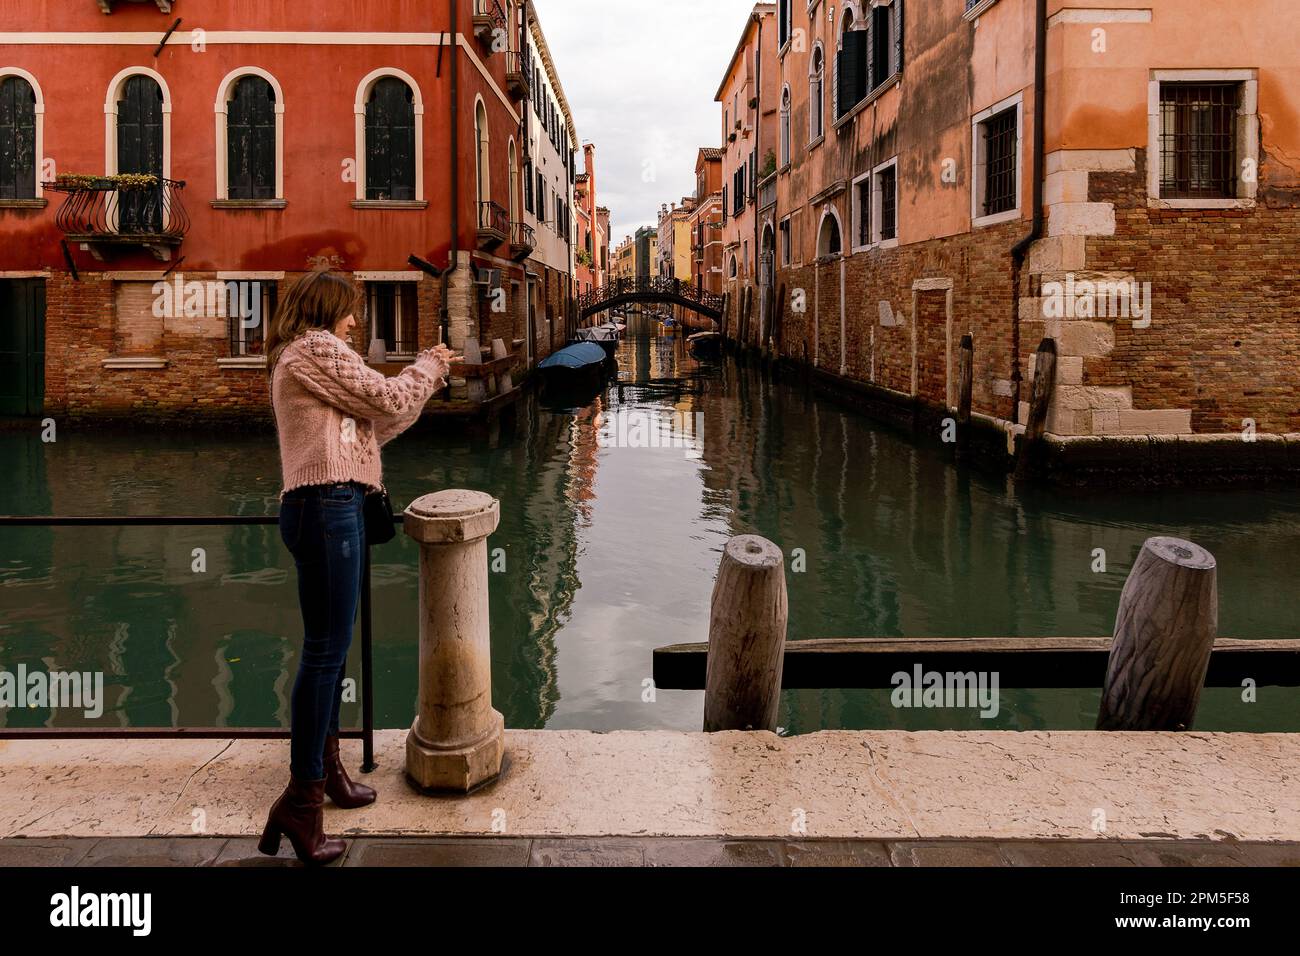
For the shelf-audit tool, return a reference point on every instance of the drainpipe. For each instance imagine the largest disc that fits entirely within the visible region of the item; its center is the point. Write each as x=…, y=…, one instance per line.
x=1021, y=249
x=758, y=154
x=452, y=253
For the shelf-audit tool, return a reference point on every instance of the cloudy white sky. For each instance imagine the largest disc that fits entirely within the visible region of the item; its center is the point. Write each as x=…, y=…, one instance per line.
x=640, y=78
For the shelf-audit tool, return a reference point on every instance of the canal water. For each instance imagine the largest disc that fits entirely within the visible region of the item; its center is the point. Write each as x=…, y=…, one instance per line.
x=613, y=517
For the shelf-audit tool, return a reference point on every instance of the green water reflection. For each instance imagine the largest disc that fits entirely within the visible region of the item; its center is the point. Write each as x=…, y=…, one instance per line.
x=609, y=553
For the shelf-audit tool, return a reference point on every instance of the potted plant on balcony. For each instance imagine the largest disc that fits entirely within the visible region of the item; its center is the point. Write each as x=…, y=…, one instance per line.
x=769, y=165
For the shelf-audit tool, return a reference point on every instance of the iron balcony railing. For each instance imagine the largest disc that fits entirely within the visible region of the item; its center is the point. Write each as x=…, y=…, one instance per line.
x=518, y=73
x=489, y=17
x=523, y=236
x=120, y=209
x=493, y=218
x=367, y=731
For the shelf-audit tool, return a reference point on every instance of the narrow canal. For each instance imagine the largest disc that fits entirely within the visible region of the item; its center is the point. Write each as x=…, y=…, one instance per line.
x=606, y=551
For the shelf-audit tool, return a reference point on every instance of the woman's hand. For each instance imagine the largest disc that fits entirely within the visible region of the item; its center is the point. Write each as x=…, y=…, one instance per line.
x=442, y=357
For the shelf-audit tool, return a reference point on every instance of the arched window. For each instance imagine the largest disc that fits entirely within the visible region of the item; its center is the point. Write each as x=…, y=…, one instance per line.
x=852, y=67
x=816, y=83
x=731, y=267
x=390, y=141
x=785, y=126
x=481, y=137
x=18, y=135
x=828, y=237
x=251, y=138
x=140, y=140
x=514, y=180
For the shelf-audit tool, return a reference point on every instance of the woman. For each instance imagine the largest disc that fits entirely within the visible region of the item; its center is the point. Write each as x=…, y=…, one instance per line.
x=333, y=413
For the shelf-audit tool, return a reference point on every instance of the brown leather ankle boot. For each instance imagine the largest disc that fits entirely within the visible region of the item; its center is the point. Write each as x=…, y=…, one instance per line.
x=299, y=814
x=340, y=788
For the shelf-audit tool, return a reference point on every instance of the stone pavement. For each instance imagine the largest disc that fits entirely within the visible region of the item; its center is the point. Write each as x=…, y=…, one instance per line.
x=648, y=851
x=650, y=795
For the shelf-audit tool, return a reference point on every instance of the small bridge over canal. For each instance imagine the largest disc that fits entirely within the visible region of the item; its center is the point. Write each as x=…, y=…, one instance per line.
x=658, y=290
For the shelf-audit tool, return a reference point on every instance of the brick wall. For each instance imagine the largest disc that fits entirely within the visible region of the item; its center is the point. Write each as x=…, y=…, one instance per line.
x=83, y=331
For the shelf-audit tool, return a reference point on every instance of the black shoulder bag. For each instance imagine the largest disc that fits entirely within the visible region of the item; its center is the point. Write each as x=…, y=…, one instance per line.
x=377, y=512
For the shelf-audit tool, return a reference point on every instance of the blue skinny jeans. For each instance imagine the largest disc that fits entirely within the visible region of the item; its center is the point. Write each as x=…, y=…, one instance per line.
x=323, y=529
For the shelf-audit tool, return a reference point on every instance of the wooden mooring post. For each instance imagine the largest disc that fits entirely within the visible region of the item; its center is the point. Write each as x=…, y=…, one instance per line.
x=965, y=387
x=1164, y=633
x=1040, y=403
x=747, y=624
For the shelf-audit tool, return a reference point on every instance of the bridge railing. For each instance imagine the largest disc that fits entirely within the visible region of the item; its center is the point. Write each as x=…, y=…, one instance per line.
x=662, y=288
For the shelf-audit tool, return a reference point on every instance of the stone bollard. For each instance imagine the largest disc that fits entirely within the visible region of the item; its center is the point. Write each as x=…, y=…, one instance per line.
x=457, y=740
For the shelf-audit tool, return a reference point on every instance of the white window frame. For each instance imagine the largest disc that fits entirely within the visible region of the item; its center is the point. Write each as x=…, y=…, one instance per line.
x=221, y=110
x=817, y=110
x=785, y=256
x=829, y=211
x=1247, y=136
x=876, y=206
x=39, y=119
x=785, y=133
x=110, y=118
x=369, y=280
x=855, y=209
x=359, y=110
x=979, y=162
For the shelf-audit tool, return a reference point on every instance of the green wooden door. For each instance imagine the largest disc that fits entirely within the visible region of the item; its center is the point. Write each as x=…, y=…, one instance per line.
x=22, y=346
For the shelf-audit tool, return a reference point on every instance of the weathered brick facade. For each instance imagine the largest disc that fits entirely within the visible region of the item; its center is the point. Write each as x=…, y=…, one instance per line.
x=1205, y=345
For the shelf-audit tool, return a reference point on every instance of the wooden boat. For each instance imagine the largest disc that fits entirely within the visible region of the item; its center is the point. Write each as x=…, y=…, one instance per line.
x=705, y=344
x=606, y=336
x=574, y=371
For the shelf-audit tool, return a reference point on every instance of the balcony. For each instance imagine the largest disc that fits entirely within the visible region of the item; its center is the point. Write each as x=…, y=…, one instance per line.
x=517, y=75
x=523, y=240
x=493, y=225
x=106, y=6
x=767, y=192
x=132, y=209
x=488, y=19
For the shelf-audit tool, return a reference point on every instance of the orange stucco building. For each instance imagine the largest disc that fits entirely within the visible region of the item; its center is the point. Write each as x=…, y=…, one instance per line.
x=1144, y=226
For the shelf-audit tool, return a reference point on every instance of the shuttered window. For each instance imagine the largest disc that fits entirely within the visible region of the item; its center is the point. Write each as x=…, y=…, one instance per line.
x=17, y=139
x=852, y=73
x=390, y=141
x=250, y=139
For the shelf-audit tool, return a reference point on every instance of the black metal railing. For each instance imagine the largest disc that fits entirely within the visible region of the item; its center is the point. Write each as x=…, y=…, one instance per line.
x=110, y=208
x=523, y=236
x=367, y=731
x=518, y=73
x=493, y=217
x=646, y=289
x=488, y=18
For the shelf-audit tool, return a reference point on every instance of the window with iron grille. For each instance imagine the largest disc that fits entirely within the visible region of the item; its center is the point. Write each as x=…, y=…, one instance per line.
x=250, y=307
x=393, y=315
x=887, y=184
x=1001, y=191
x=1198, y=140
x=862, y=210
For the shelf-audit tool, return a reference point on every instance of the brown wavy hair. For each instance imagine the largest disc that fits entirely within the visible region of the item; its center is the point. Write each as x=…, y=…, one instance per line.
x=318, y=300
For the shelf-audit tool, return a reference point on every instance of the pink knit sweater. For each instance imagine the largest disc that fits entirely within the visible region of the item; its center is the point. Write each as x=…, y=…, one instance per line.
x=333, y=412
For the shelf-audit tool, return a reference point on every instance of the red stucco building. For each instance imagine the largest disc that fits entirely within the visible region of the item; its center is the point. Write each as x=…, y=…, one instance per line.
x=162, y=180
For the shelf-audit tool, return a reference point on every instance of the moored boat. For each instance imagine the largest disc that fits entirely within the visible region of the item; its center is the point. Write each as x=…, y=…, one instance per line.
x=574, y=370
x=705, y=344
